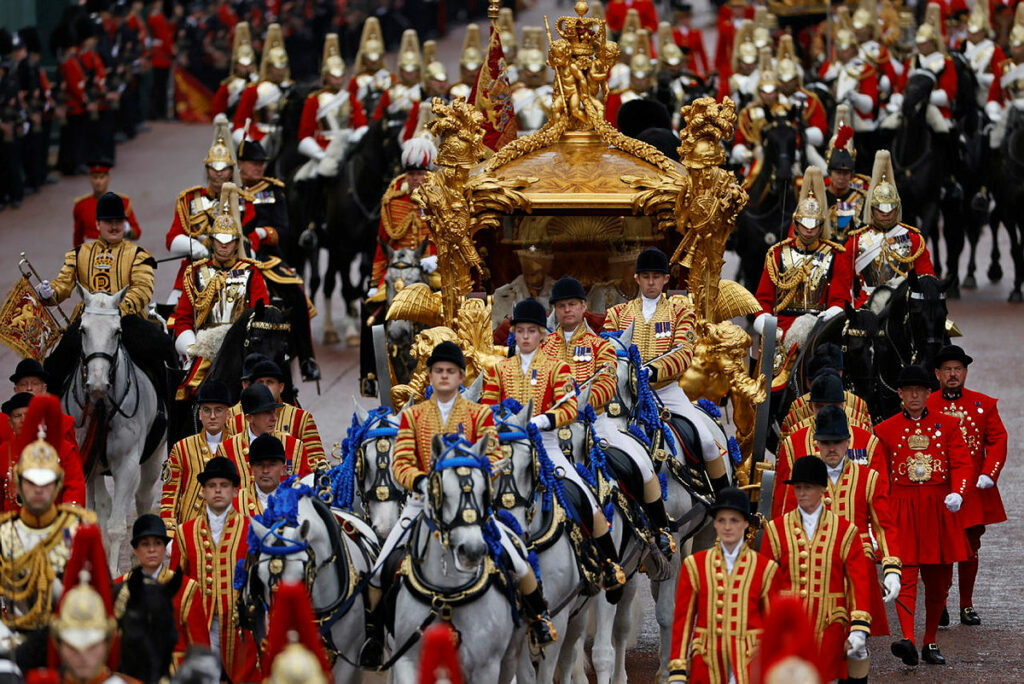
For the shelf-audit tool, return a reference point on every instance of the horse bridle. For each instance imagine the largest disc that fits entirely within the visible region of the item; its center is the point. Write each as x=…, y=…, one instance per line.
x=905, y=322
x=384, y=487
x=469, y=512
x=113, y=362
x=506, y=493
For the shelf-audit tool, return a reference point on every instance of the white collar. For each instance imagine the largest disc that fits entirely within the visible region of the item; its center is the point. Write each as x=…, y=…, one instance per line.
x=731, y=556
x=263, y=497
x=835, y=473
x=811, y=519
x=252, y=435
x=526, y=359
x=648, y=301
x=569, y=334
x=445, y=408
x=214, y=439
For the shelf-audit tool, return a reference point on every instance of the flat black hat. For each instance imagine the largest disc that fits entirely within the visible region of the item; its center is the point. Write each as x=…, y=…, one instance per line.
x=662, y=139
x=809, y=470
x=30, y=368
x=832, y=353
x=149, y=525
x=819, y=365
x=827, y=388
x=251, y=150
x=682, y=6
x=652, y=260
x=19, y=400
x=266, y=447
x=265, y=369
x=952, y=352
x=639, y=115
x=447, y=351
x=915, y=376
x=249, y=362
x=258, y=399
x=841, y=160
x=567, y=287
x=530, y=311
x=219, y=466
x=110, y=207
x=733, y=499
x=831, y=424
x=214, y=391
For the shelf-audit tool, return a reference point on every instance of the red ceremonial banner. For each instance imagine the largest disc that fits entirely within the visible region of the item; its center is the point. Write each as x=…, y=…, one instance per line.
x=192, y=100
x=492, y=96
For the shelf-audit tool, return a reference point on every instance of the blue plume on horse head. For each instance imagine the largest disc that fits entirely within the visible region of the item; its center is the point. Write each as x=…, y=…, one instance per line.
x=455, y=451
x=282, y=510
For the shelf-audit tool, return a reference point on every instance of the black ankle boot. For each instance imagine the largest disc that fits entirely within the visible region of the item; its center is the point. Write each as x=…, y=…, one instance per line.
x=612, y=576
x=371, y=655
x=657, y=518
x=719, y=483
x=542, y=631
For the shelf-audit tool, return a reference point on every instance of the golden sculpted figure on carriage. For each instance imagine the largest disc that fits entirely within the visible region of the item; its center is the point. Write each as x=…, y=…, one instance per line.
x=575, y=186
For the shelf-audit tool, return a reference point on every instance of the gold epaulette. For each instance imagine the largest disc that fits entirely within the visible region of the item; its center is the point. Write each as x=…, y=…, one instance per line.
x=186, y=191
x=394, y=189
x=857, y=231
x=834, y=245
x=84, y=514
x=273, y=181
x=7, y=516
x=83, y=197
x=909, y=227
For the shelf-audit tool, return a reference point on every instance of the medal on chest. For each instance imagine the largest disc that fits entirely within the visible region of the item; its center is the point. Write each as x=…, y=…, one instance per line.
x=662, y=329
x=582, y=353
x=533, y=377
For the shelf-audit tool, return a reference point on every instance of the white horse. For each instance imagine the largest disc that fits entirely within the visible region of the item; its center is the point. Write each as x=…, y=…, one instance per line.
x=111, y=396
x=302, y=539
x=452, y=576
x=371, y=441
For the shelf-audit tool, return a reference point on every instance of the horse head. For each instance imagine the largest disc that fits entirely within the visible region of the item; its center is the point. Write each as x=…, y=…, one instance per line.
x=860, y=333
x=926, y=315
x=101, y=341
x=919, y=87
x=403, y=268
x=516, y=480
x=460, y=497
x=779, y=144
x=148, y=627
x=371, y=447
x=625, y=373
x=267, y=331
x=287, y=539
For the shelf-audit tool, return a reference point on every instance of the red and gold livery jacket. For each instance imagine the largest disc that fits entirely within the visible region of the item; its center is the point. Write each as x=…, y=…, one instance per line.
x=180, y=500
x=801, y=409
x=880, y=256
x=672, y=325
x=864, y=449
x=825, y=571
x=248, y=501
x=720, y=615
x=297, y=422
x=99, y=266
x=420, y=422
x=84, y=215
x=189, y=614
x=214, y=294
x=401, y=227
x=545, y=383
x=298, y=460
x=927, y=452
x=325, y=114
x=585, y=352
x=797, y=281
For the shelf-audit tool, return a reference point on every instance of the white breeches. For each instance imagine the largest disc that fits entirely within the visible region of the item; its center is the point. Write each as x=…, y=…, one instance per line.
x=674, y=399
x=564, y=468
x=414, y=505
x=513, y=546
x=607, y=430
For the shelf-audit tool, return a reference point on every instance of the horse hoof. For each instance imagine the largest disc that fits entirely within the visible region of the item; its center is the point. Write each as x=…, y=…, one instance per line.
x=995, y=273
x=1016, y=297
x=970, y=283
x=331, y=337
x=352, y=341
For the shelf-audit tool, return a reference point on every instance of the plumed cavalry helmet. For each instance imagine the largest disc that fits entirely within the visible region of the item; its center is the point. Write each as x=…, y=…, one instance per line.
x=743, y=48
x=844, y=37
x=274, y=54
x=418, y=154
x=786, y=65
x=220, y=155
x=241, y=49
x=472, y=54
x=39, y=460
x=507, y=29
x=931, y=28
x=763, y=25
x=841, y=152
x=435, y=68
x=409, y=56
x=371, y=45
x=628, y=36
x=331, y=63
x=811, y=208
x=640, y=62
x=979, y=20
x=1017, y=32
x=668, y=52
x=865, y=16
x=227, y=224
x=882, y=194
x=294, y=649
x=766, y=79
x=530, y=55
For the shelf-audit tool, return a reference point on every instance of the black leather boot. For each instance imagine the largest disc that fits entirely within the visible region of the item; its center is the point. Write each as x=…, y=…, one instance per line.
x=658, y=520
x=542, y=631
x=612, y=575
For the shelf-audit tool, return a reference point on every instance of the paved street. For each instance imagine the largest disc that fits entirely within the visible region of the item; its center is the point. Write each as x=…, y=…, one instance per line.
x=157, y=165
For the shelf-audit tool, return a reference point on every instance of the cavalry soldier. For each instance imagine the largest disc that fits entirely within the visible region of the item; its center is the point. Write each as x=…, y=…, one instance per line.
x=260, y=103
x=663, y=330
x=720, y=616
x=181, y=499
x=641, y=80
x=982, y=53
x=863, y=448
x=469, y=64
x=826, y=356
x=506, y=25
x=73, y=491
x=673, y=70
x=371, y=77
x=397, y=100
x=207, y=551
x=741, y=82
x=532, y=93
x=929, y=473
x=220, y=288
x=444, y=413
x=807, y=273
x=764, y=107
x=149, y=546
x=867, y=29
x=884, y=249
x=529, y=376
x=820, y=557
x=794, y=94
x=268, y=465
x=84, y=210
x=852, y=79
x=931, y=56
x=689, y=39
x=290, y=419
x=260, y=411
x=401, y=223
x=243, y=73
x=591, y=358
x=1008, y=84
x=266, y=230
x=35, y=542
x=435, y=84
x=986, y=439
x=845, y=198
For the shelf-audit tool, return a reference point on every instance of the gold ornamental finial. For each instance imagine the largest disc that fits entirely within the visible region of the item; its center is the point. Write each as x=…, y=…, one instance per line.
x=581, y=7
x=493, y=10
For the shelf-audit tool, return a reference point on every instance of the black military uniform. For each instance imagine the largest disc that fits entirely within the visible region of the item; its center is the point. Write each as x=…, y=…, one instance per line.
x=12, y=119
x=38, y=102
x=844, y=212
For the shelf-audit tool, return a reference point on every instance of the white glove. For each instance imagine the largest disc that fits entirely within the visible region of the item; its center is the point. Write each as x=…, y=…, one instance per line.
x=741, y=154
x=891, y=582
x=953, y=502
x=429, y=263
x=237, y=135
x=357, y=134
x=185, y=340
x=188, y=247
x=372, y=292
x=759, y=323
x=309, y=147
x=939, y=98
x=262, y=232
x=830, y=313
x=44, y=290
x=985, y=81
x=861, y=102
x=856, y=645
x=985, y=482
x=994, y=111
x=814, y=136
x=542, y=421
x=895, y=102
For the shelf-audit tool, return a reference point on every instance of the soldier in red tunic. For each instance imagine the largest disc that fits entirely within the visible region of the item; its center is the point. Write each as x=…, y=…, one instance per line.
x=84, y=210
x=986, y=440
x=820, y=556
x=719, y=616
x=929, y=473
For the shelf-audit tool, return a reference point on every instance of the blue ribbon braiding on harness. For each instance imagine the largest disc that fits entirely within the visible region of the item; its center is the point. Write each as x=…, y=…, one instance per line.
x=710, y=407
x=647, y=403
x=238, y=579
x=509, y=520
x=456, y=443
x=282, y=510
x=734, y=450
x=548, y=478
x=598, y=459
x=343, y=476
x=663, y=481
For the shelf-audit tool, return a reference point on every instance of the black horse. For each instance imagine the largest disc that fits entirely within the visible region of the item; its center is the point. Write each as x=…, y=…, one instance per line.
x=765, y=219
x=1008, y=189
x=148, y=631
x=861, y=339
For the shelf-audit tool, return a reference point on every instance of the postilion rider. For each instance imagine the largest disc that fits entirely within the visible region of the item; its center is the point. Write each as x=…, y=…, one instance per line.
x=445, y=412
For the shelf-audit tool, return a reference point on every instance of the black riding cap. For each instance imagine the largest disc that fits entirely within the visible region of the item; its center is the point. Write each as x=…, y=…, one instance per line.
x=827, y=388
x=732, y=499
x=110, y=207
x=258, y=399
x=447, y=351
x=30, y=368
x=915, y=376
x=567, y=287
x=149, y=525
x=221, y=467
x=266, y=447
x=251, y=150
x=530, y=311
x=831, y=425
x=809, y=470
x=214, y=391
x=19, y=400
x=832, y=353
x=652, y=260
x=265, y=369
x=952, y=352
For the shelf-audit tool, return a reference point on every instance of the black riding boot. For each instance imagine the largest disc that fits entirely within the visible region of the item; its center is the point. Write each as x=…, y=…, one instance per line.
x=371, y=655
x=720, y=483
x=657, y=518
x=612, y=575
x=542, y=631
